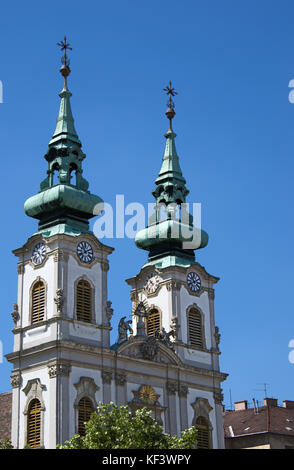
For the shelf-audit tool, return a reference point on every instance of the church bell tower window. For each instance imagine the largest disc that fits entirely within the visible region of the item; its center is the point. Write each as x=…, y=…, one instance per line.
x=203, y=433
x=195, y=328
x=153, y=322
x=84, y=301
x=34, y=424
x=38, y=302
x=84, y=413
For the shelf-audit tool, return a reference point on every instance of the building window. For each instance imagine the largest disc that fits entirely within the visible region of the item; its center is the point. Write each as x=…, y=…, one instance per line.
x=153, y=322
x=84, y=301
x=203, y=433
x=38, y=302
x=34, y=424
x=85, y=409
x=195, y=328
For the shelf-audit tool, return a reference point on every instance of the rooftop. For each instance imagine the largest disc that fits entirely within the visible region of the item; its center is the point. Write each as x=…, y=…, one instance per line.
x=5, y=415
x=260, y=419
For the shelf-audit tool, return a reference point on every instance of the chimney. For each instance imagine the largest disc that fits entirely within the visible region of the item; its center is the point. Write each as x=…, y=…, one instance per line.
x=270, y=402
x=240, y=405
x=288, y=404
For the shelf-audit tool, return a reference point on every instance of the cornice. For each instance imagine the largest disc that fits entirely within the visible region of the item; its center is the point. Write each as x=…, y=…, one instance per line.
x=197, y=267
x=56, y=319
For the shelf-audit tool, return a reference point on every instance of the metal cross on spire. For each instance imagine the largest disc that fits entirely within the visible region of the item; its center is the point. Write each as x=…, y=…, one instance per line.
x=169, y=89
x=64, y=46
x=170, y=113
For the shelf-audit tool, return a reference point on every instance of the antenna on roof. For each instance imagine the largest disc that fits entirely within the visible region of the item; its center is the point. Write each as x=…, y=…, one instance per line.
x=264, y=389
x=231, y=399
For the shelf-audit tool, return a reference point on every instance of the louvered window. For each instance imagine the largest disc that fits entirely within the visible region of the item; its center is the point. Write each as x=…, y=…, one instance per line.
x=34, y=424
x=153, y=322
x=195, y=329
x=38, y=302
x=84, y=301
x=203, y=433
x=85, y=410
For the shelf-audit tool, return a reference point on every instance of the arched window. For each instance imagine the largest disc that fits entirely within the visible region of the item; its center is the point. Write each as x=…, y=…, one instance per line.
x=85, y=409
x=203, y=433
x=38, y=302
x=153, y=322
x=34, y=424
x=84, y=301
x=195, y=329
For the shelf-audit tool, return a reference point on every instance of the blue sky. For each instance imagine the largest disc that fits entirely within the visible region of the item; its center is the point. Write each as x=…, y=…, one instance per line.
x=231, y=62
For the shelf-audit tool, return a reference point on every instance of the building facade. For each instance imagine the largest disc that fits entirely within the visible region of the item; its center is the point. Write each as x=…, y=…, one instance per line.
x=63, y=362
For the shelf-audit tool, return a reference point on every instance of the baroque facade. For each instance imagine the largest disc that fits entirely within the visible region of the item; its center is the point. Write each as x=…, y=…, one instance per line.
x=63, y=361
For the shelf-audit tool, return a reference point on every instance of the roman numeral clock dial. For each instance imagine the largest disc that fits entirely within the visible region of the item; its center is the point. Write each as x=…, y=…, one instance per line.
x=85, y=252
x=194, y=282
x=39, y=253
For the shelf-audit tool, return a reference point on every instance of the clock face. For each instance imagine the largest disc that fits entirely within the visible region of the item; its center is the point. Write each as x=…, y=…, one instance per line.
x=152, y=282
x=194, y=282
x=39, y=253
x=85, y=252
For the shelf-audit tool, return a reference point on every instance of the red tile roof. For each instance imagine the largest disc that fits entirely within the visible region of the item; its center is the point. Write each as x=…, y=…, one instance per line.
x=274, y=419
x=5, y=415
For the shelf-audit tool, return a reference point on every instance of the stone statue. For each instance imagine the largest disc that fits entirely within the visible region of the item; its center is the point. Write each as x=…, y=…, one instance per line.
x=123, y=328
x=164, y=337
x=15, y=313
x=59, y=300
x=217, y=336
x=141, y=313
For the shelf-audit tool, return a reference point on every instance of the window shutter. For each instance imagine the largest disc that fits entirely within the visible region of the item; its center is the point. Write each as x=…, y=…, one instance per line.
x=85, y=410
x=203, y=433
x=38, y=302
x=195, y=329
x=84, y=301
x=153, y=322
x=34, y=424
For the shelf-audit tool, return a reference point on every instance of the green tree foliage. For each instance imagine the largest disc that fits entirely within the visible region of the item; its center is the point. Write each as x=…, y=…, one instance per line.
x=5, y=444
x=113, y=427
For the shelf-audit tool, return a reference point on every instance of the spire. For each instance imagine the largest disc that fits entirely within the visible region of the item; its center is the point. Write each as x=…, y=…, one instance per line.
x=170, y=181
x=64, y=198
x=65, y=128
x=166, y=239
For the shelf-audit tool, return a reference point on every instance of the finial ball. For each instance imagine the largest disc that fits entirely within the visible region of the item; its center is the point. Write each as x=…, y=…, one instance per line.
x=170, y=113
x=65, y=71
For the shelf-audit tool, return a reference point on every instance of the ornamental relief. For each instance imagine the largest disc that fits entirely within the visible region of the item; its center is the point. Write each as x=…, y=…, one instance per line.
x=58, y=368
x=148, y=350
x=106, y=376
x=15, y=379
x=174, y=285
x=120, y=379
x=147, y=397
x=84, y=265
x=59, y=300
x=195, y=293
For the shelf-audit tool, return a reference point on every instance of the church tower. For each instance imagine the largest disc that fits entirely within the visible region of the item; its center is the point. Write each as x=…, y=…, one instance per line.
x=62, y=316
x=178, y=293
x=63, y=363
